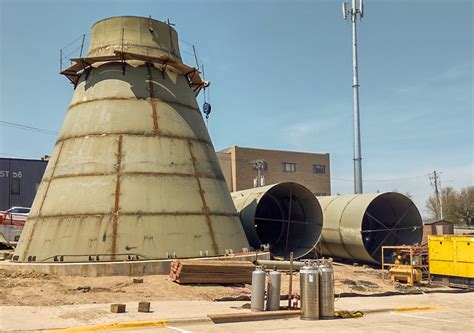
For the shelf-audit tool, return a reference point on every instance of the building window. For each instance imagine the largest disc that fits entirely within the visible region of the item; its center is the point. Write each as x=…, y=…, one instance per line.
x=319, y=168
x=15, y=186
x=288, y=167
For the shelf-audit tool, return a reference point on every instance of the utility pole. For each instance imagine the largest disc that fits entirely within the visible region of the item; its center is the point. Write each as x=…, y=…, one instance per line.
x=436, y=184
x=353, y=13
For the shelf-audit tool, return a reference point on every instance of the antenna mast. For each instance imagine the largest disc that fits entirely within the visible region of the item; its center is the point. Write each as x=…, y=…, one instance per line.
x=352, y=14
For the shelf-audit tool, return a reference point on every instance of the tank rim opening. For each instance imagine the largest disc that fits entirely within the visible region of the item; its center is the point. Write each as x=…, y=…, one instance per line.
x=289, y=218
x=390, y=219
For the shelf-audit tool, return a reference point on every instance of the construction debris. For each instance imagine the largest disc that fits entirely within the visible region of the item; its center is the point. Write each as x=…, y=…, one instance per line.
x=348, y=314
x=83, y=289
x=211, y=271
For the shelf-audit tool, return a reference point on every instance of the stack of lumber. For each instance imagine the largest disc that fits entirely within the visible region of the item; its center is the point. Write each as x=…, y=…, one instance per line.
x=211, y=271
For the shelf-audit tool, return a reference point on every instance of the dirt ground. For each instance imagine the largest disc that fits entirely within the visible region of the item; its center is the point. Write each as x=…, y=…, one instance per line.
x=31, y=288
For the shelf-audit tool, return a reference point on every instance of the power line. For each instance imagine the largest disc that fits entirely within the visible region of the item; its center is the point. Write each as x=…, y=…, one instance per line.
x=377, y=180
x=74, y=41
x=14, y=155
x=28, y=128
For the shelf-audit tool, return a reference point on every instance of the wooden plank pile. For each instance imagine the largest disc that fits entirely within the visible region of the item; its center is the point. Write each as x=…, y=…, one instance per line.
x=211, y=271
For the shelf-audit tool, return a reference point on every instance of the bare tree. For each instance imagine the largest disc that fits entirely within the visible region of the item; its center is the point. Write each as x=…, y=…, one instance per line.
x=465, y=204
x=458, y=207
x=432, y=205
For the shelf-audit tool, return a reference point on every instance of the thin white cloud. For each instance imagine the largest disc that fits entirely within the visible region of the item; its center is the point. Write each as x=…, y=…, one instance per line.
x=446, y=78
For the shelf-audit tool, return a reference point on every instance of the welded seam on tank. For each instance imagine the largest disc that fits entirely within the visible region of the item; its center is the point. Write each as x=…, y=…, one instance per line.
x=152, y=99
x=349, y=255
x=205, y=208
x=322, y=240
x=341, y=237
x=117, y=199
x=132, y=214
x=140, y=134
x=136, y=173
x=40, y=210
x=323, y=243
x=117, y=98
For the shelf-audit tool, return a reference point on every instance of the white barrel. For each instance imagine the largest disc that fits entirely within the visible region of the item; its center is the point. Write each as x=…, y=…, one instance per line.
x=326, y=289
x=309, y=288
x=258, y=289
x=273, y=291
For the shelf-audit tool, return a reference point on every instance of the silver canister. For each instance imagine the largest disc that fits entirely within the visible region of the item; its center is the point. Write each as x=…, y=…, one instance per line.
x=326, y=289
x=258, y=289
x=309, y=289
x=273, y=291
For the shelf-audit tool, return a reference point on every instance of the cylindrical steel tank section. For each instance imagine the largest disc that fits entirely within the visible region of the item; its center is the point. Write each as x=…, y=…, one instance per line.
x=273, y=291
x=326, y=289
x=286, y=216
x=309, y=289
x=258, y=289
x=357, y=226
x=133, y=174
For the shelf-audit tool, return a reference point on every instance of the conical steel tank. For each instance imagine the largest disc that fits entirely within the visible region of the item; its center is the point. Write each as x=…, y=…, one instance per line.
x=357, y=226
x=133, y=174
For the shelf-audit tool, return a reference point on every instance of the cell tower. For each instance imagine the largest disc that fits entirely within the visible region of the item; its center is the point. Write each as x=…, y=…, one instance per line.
x=352, y=13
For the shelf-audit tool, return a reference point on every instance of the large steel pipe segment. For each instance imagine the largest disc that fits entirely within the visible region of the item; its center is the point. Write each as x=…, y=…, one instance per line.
x=287, y=216
x=357, y=226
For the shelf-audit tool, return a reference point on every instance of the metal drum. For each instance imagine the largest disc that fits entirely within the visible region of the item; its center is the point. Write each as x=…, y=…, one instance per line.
x=273, y=291
x=357, y=226
x=265, y=213
x=309, y=288
x=326, y=289
x=258, y=289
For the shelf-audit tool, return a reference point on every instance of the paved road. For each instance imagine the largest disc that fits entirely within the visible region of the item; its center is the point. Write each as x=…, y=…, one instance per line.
x=446, y=312
x=449, y=313
x=459, y=320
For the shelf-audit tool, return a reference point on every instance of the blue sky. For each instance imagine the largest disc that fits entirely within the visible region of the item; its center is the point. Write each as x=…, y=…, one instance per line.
x=281, y=79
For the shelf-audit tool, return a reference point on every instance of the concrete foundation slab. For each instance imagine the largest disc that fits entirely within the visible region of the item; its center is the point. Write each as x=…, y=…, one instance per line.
x=125, y=268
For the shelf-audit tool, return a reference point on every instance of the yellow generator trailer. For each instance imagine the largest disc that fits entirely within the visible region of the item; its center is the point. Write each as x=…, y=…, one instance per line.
x=451, y=260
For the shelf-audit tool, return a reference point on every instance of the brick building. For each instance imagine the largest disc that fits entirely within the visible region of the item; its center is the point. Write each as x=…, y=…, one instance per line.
x=239, y=166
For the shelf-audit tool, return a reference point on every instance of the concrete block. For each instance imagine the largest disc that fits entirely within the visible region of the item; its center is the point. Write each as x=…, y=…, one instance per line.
x=117, y=308
x=144, y=307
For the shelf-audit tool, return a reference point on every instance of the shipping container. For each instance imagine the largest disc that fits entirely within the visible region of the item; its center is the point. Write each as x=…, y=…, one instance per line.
x=19, y=181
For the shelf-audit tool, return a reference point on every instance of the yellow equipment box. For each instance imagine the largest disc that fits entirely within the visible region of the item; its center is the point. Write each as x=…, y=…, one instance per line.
x=451, y=256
